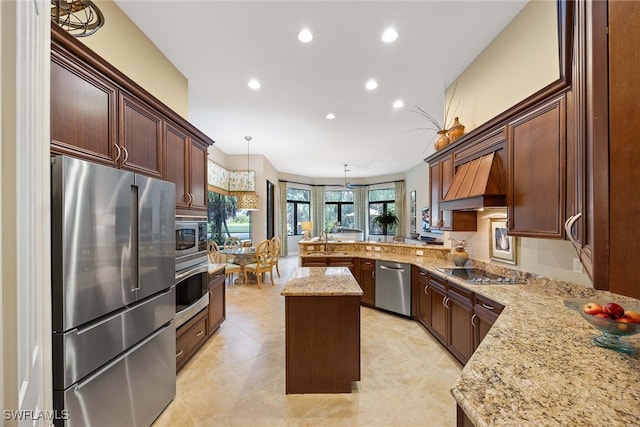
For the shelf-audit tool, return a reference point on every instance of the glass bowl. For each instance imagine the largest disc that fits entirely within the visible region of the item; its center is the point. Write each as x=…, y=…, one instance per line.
x=612, y=330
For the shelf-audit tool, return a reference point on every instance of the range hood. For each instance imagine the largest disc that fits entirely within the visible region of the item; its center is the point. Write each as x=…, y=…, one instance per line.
x=477, y=184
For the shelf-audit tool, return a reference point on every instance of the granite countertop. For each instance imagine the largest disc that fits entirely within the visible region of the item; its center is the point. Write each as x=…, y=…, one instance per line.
x=214, y=268
x=538, y=364
x=321, y=281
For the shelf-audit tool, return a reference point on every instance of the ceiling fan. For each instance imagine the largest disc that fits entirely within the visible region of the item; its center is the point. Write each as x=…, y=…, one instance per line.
x=347, y=185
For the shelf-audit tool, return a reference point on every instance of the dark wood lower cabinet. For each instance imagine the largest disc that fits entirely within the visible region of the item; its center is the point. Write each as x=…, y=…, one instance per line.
x=367, y=281
x=485, y=313
x=322, y=343
x=446, y=310
x=217, y=301
x=438, y=310
x=422, y=297
x=461, y=418
x=190, y=336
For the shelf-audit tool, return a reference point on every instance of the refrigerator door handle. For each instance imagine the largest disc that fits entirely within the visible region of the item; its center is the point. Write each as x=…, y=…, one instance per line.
x=135, y=239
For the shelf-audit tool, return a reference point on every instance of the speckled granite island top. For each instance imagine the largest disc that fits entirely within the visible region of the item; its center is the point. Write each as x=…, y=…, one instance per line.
x=321, y=281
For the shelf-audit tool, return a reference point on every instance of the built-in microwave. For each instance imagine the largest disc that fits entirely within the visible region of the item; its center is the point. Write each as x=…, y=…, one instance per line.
x=191, y=243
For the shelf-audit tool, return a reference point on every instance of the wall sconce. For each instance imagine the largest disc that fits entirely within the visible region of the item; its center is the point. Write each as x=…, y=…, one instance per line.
x=306, y=226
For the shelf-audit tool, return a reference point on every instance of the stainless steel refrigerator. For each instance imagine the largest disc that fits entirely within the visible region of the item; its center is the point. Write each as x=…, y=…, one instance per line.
x=113, y=270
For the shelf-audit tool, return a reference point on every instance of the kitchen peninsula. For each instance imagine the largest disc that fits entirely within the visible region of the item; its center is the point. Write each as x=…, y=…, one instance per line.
x=537, y=364
x=322, y=327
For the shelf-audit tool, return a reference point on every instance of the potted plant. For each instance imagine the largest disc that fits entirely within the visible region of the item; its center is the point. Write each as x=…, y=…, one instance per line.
x=386, y=220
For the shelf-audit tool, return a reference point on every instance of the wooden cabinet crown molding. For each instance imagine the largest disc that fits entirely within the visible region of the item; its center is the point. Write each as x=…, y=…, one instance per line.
x=81, y=55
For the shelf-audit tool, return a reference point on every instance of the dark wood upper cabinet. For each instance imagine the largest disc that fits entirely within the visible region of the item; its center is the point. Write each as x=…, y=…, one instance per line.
x=140, y=137
x=441, y=173
x=536, y=149
x=177, y=142
x=99, y=114
x=198, y=174
x=83, y=113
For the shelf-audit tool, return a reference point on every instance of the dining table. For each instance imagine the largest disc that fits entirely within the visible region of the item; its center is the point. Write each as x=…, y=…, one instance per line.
x=242, y=256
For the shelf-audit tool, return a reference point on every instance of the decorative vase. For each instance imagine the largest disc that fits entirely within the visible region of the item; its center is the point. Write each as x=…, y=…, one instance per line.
x=442, y=141
x=459, y=256
x=456, y=130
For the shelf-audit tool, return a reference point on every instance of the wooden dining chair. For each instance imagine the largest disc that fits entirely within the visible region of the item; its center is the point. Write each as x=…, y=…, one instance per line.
x=215, y=257
x=262, y=264
x=231, y=242
x=276, y=246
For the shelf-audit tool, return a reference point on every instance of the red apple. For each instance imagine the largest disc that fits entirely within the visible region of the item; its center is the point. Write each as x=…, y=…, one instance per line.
x=603, y=315
x=633, y=316
x=592, y=308
x=613, y=310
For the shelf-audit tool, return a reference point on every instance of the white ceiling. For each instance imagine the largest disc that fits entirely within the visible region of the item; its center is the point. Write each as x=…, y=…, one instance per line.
x=220, y=45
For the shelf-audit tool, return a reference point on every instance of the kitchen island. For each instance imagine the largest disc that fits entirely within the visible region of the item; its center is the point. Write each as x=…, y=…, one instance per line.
x=322, y=328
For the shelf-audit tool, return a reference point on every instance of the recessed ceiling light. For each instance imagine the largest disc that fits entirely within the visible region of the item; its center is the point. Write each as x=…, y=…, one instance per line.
x=305, y=36
x=330, y=116
x=389, y=35
x=371, y=84
x=254, y=84
x=398, y=103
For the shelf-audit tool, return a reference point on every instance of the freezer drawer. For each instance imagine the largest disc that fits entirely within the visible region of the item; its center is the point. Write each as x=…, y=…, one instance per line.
x=81, y=351
x=132, y=390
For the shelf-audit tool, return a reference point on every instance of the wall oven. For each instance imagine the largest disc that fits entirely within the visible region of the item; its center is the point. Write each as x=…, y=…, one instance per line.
x=192, y=269
x=191, y=242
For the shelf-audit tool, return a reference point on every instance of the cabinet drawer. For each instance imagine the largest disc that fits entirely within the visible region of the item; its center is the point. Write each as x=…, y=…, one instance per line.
x=488, y=304
x=460, y=294
x=189, y=340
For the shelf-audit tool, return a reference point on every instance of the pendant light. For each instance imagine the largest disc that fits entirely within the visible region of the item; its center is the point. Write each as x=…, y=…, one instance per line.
x=247, y=200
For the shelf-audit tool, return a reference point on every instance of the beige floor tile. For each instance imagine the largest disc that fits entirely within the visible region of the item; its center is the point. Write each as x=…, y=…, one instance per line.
x=238, y=377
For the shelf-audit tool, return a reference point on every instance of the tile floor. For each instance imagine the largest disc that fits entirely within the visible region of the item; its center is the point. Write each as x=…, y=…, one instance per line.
x=238, y=377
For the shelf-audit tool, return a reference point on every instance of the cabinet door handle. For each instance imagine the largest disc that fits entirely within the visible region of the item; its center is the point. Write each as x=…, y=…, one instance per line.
x=445, y=302
x=473, y=320
x=568, y=225
x=126, y=154
x=373, y=274
x=488, y=307
x=119, y=151
x=178, y=354
x=422, y=273
x=425, y=289
x=199, y=334
x=508, y=223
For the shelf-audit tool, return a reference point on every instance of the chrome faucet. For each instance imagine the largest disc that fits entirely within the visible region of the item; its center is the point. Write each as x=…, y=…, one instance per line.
x=326, y=239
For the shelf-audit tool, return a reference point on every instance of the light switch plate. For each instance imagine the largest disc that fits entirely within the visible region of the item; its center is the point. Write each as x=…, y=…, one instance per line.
x=368, y=248
x=419, y=253
x=377, y=248
x=310, y=248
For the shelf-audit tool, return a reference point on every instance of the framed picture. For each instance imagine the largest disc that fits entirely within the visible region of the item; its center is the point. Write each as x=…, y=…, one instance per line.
x=502, y=247
x=413, y=210
x=413, y=196
x=426, y=219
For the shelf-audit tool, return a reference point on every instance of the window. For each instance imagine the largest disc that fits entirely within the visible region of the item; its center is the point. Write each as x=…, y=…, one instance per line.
x=338, y=209
x=225, y=220
x=381, y=201
x=298, y=210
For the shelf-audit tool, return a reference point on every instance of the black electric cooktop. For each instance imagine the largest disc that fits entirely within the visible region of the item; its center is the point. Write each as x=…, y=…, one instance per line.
x=476, y=275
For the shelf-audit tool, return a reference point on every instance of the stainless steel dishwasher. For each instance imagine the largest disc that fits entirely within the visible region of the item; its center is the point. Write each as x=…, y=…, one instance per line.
x=393, y=287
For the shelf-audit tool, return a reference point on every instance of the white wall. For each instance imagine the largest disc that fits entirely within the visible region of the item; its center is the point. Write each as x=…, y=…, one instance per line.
x=417, y=179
